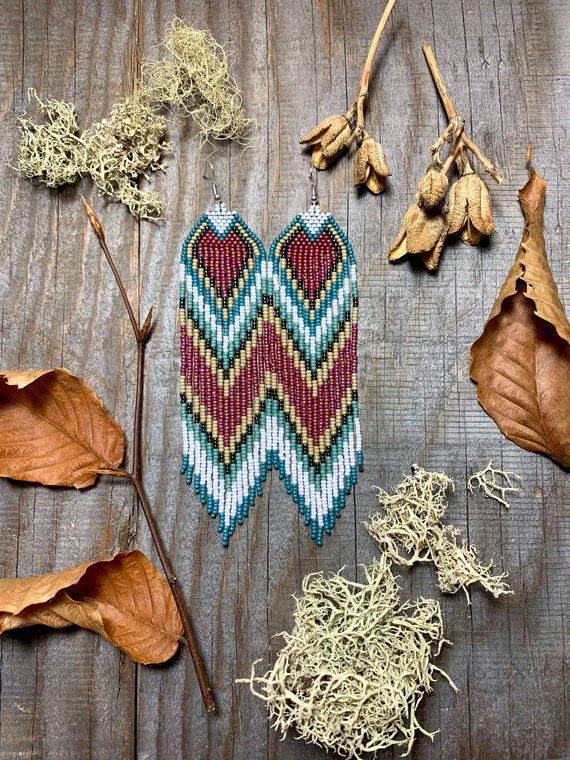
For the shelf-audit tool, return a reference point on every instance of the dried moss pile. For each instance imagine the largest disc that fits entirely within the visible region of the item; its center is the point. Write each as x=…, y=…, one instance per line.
x=356, y=666
x=358, y=662
x=52, y=150
x=411, y=530
x=192, y=77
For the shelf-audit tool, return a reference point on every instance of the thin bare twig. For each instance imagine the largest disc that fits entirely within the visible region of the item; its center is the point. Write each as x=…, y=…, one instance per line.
x=365, y=78
x=141, y=336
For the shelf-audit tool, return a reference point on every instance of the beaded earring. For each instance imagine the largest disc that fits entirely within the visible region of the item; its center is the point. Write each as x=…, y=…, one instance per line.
x=222, y=385
x=313, y=331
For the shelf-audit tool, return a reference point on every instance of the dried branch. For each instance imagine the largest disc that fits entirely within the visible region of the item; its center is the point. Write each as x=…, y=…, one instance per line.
x=335, y=134
x=430, y=221
x=452, y=113
x=362, y=96
x=141, y=336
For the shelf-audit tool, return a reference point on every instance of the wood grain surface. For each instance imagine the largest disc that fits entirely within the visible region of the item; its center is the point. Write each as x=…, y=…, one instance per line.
x=69, y=694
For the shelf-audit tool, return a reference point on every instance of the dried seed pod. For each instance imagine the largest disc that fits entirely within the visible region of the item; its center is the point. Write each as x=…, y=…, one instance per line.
x=332, y=146
x=329, y=138
x=370, y=167
x=331, y=123
x=423, y=232
x=470, y=209
x=432, y=187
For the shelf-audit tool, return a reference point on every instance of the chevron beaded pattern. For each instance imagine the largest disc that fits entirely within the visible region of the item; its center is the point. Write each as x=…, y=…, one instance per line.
x=222, y=375
x=312, y=382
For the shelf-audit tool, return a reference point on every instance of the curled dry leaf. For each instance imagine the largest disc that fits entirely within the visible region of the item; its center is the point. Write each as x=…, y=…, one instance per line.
x=54, y=429
x=521, y=361
x=125, y=599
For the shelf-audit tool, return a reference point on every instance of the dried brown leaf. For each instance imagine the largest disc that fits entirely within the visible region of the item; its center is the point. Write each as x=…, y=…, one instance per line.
x=54, y=429
x=125, y=599
x=521, y=361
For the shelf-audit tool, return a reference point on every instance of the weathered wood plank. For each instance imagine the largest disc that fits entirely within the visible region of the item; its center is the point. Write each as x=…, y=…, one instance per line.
x=70, y=695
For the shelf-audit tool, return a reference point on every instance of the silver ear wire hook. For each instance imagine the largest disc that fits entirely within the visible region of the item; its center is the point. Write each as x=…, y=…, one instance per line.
x=314, y=196
x=213, y=181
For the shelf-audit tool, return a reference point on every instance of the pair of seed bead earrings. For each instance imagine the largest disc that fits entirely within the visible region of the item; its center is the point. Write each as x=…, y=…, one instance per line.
x=268, y=371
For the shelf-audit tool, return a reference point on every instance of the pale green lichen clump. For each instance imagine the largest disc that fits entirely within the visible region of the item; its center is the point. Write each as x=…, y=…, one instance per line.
x=412, y=523
x=115, y=152
x=52, y=151
x=496, y=484
x=122, y=148
x=192, y=77
x=356, y=666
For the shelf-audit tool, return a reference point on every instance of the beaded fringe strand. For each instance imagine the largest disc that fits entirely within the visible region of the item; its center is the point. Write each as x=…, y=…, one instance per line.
x=222, y=389
x=314, y=326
